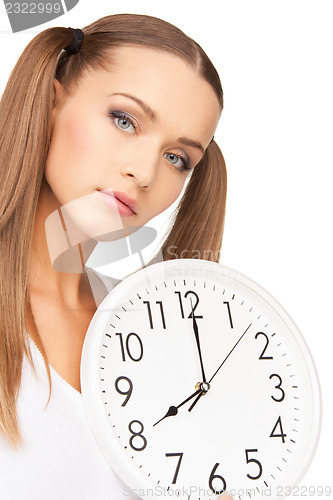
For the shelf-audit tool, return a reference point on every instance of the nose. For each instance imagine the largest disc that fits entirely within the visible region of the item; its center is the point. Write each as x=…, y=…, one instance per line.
x=142, y=167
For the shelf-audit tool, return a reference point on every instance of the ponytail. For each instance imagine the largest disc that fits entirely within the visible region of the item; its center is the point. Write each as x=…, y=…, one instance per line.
x=199, y=220
x=25, y=129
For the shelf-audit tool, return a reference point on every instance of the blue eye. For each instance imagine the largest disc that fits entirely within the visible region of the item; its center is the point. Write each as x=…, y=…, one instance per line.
x=123, y=121
x=179, y=161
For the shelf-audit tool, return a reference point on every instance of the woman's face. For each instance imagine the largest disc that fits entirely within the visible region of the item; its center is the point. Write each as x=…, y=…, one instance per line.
x=135, y=131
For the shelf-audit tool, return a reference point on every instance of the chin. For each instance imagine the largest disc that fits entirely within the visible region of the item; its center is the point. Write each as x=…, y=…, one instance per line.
x=87, y=218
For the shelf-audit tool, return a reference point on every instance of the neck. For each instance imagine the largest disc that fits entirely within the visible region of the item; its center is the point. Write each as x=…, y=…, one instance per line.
x=52, y=271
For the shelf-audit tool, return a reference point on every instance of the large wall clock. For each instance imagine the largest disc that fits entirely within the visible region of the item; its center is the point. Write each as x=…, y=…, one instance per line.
x=196, y=381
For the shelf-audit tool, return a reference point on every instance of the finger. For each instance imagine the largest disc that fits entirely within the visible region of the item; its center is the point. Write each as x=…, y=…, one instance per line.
x=225, y=496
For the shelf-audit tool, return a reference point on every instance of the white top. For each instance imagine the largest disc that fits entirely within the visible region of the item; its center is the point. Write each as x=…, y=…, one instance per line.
x=60, y=459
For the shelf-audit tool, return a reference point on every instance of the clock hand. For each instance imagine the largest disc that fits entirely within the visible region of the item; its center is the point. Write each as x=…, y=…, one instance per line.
x=225, y=359
x=202, y=392
x=196, y=400
x=196, y=334
x=202, y=388
x=173, y=410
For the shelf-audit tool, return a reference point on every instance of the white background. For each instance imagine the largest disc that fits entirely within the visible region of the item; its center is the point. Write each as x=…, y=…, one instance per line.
x=275, y=63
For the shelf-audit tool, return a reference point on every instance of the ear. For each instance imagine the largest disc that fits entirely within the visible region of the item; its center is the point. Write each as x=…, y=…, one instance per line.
x=58, y=93
x=58, y=98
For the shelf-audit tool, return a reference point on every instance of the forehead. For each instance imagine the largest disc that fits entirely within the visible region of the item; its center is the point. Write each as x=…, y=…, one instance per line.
x=169, y=85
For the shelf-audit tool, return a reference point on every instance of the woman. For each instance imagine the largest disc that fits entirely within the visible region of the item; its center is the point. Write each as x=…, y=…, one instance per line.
x=108, y=129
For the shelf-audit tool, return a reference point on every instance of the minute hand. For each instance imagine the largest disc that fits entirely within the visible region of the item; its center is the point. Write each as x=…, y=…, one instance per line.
x=196, y=334
x=225, y=359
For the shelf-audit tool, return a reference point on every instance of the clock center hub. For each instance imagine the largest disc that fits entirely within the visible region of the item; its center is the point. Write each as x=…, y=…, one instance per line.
x=203, y=386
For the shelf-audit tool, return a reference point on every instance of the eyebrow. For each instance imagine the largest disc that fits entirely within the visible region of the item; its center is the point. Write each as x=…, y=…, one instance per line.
x=193, y=144
x=152, y=115
x=147, y=109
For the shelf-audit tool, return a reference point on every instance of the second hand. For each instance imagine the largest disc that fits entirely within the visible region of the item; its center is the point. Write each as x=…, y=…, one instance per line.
x=225, y=359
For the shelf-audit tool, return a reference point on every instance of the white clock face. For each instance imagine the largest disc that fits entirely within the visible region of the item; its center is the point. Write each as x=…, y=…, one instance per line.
x=252, y=423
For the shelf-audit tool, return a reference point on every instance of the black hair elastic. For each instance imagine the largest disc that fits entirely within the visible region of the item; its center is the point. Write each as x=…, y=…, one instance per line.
x=74, y=47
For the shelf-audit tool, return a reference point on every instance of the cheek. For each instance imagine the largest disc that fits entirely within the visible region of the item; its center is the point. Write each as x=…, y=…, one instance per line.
x=72, y=154
x=173, y=194
x=167, y=191
x=78, y=137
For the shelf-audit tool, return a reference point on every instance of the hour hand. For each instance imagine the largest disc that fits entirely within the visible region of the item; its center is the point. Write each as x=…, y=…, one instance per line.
x=173, y=410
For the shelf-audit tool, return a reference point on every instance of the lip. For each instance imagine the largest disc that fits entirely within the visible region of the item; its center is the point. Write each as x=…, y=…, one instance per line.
x=120, y=202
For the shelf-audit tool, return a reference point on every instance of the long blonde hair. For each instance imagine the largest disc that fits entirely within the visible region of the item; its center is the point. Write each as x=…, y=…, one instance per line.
x=25, y=118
